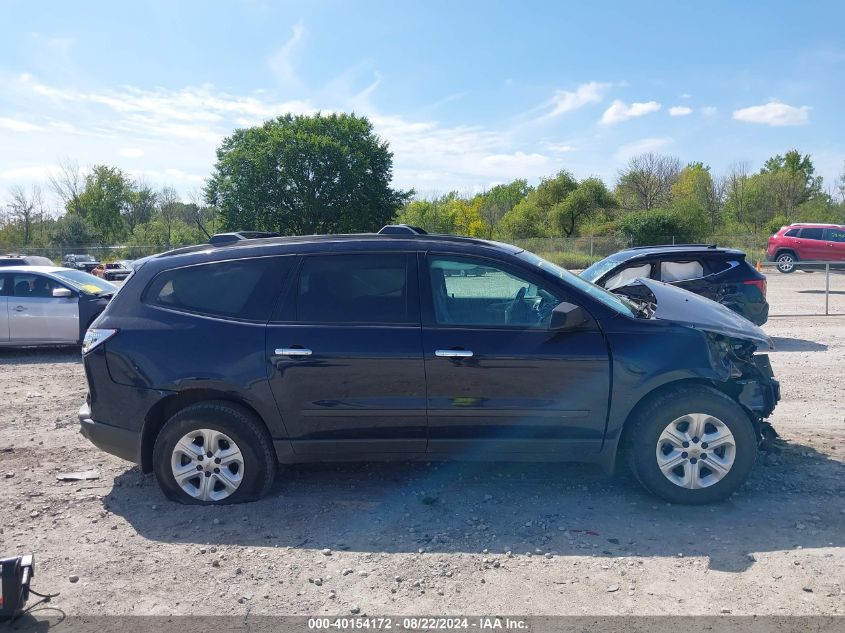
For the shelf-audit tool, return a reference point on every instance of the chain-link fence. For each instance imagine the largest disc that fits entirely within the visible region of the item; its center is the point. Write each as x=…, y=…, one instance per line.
x=100, y=253
x=580, y=252
x=571, y=252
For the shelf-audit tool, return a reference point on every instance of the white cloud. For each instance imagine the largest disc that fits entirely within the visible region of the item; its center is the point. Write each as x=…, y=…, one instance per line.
x=620, y=111
x=282, y=61
x=640, y=147
x=774, y=113
x=679, y=111
x=565, y=101
x=193, y=112
x=131, y=152
x=686, y=95
x=16, y=125
x=29, y=173
x=560, y=148
x=709, y=111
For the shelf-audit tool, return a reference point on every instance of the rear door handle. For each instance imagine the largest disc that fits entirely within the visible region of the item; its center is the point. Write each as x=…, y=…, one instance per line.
x=293, y=351
x=453, y=353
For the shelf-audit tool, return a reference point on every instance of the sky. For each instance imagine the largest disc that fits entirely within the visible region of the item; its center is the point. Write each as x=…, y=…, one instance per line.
x=468, y=94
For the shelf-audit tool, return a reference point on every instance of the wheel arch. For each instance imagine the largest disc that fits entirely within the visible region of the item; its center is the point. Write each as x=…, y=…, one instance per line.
x=784, y=249
x=167, y=407
x=724, y=388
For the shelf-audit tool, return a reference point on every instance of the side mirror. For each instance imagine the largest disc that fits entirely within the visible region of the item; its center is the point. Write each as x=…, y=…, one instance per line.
x=567, y=316
x=62, y=293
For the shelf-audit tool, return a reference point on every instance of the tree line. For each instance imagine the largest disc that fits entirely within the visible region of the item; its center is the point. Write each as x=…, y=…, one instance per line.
x=332, y=174
x=655, y=197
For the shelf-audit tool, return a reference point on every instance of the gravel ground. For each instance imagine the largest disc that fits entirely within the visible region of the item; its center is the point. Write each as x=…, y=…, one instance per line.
x=436, y=538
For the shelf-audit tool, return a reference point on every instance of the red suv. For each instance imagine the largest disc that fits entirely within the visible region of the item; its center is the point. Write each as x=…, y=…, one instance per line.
x=808, y=242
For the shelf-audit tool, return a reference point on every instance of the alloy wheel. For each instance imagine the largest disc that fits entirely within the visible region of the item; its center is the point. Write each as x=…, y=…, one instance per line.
x=696, y=450
x=785, y=263
x=207, y=465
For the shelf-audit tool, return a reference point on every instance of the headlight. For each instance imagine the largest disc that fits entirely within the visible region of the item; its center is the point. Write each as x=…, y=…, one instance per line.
x=94, y=338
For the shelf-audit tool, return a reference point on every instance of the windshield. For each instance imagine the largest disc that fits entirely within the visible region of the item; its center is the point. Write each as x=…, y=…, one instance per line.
x=597, y=292
x=598, y=269
x=89, y=284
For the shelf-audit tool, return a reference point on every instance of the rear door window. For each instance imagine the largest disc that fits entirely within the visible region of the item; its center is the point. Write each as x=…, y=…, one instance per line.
x=355, y=288
x=239, y=289
x=681, y=270
x=812, y=234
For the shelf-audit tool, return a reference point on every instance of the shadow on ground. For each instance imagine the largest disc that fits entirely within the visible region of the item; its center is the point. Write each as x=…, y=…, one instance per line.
x=821, y=292
x=794, y=498
x=786, y=344
x=37, y=355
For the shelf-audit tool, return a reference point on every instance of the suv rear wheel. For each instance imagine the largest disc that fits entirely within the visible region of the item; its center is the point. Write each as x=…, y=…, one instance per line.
x=213, y=453
x=786, y=262
x=691, y=445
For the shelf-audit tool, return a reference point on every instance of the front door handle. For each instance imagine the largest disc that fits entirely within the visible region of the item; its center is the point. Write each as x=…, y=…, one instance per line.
x=293, y=351
x=453, y=353
x=19, y=309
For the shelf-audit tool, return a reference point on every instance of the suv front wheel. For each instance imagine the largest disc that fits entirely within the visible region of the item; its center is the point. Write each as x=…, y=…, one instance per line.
x=213, y=453
x=691, y=445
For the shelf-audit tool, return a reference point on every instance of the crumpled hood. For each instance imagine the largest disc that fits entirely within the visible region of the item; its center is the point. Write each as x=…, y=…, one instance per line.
x=684, y=307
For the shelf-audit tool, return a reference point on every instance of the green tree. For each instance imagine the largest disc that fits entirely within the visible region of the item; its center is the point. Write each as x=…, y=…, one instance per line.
x=587, y=199
x=305, y=174
x=658, y=226
x=436, y=215
x=104, y=200
x=531, y=217
x=493, y=205
x=140, y=205
x=646, y=181
x=72, y=232
x=790, y=180
x=697, y=195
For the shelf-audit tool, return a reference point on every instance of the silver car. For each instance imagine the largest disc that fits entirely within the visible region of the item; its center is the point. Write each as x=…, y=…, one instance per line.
x=48, y=305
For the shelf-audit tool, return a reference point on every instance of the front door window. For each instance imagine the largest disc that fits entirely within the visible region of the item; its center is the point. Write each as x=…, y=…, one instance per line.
x=470, y=292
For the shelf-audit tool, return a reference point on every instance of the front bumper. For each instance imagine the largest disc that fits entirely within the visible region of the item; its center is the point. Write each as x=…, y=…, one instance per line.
x=124, y=443
x=759, y=396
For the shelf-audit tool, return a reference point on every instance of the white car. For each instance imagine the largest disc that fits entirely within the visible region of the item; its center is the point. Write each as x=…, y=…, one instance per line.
x=48, y=305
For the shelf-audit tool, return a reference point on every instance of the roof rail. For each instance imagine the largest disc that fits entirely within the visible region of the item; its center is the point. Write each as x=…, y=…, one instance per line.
x=635, y=248
x=401, y=229
x=219, y=239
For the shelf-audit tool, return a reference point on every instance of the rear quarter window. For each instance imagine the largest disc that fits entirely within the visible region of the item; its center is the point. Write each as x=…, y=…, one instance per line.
x=717, y=265
x=244, y=289
x=792, y=233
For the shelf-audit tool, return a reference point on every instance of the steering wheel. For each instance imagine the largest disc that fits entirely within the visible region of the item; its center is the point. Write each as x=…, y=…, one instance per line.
x=514, y=305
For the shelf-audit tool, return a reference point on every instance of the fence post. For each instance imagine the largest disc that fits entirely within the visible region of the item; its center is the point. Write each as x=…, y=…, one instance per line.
x=591, y=246
x=827, y=289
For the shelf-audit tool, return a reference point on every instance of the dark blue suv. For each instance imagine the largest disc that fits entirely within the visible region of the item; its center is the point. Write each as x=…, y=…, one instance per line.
x=212, y=365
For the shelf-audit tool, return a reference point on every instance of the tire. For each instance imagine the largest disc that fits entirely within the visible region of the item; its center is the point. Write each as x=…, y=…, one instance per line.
x=786, y=262
x=691, y=482
x=240, y=446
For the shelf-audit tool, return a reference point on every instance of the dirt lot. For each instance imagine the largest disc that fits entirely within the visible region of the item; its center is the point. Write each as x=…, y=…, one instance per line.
x=437, y=539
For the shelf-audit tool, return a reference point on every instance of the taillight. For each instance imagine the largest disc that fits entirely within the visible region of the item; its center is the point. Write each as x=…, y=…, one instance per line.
x=760, y=283
x=95, y=337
